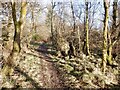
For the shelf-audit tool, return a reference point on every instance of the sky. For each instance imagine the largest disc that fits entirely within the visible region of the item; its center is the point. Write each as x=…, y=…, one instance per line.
x=46, y=2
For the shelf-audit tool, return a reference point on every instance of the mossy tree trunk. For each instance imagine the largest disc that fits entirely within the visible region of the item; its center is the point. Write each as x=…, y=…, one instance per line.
x=16, y=42
x=22, y=20
x=109, y=58
x=23, y=13
x=18, y=26
x=106, y=17
x=87, y=30
x=114, y=27
x=51, y=22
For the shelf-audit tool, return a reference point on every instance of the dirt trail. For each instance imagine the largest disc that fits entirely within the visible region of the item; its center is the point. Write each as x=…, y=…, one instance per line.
x=50, y=76
x=35, y=69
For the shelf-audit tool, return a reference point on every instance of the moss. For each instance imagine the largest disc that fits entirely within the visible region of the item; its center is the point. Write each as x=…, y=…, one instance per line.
x=76, y=73
x=7, y=71
x=68, y=68
x=36, y=37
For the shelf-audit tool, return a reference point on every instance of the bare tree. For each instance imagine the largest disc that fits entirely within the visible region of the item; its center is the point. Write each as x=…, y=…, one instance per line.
x=33, y=18
x=87, y=30
x=18, y=27
x=51, y=19
x=73, y=15
x=106, y=17
x=112, y=34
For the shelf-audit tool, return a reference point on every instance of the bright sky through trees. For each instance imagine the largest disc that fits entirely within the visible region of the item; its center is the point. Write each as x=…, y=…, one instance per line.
x=99, y=13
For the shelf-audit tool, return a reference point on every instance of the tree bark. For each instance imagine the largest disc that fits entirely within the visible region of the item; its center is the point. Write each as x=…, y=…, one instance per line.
x=79, y=40
x=106, y=17
x=51, y=18
x=87, y=30
x=33, y=21
x=16, y=42
x=114, y=27
x=18, y=26
x=73, y=16
x=23, y=13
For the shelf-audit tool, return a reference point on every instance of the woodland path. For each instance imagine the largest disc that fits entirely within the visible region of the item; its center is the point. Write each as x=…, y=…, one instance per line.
x=49, y=74
x=35, y=69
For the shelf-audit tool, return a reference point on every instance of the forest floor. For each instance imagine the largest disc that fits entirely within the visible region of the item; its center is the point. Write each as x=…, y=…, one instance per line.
x=38, y=67
x=34, y=69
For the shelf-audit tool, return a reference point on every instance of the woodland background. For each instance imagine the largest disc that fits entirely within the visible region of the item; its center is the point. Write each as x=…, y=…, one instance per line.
x=60, y=44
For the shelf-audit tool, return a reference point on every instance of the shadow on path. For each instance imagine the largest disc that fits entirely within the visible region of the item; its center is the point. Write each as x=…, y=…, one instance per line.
x=53, y=78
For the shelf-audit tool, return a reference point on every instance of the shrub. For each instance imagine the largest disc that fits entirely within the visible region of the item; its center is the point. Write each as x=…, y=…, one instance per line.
x=36, y=37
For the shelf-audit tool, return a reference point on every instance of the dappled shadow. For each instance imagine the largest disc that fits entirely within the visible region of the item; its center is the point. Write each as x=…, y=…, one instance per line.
x=45, y=48
x=42, y=56
x=113, y=87
x=33, y=82
x=9, y=78
x=47, y=56
x=45, y=51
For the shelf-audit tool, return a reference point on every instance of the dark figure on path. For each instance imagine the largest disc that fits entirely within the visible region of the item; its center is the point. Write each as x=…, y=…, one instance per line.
x=71, y=51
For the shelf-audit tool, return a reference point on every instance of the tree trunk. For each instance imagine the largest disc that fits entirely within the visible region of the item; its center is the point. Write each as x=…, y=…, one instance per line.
x=73, y=16
x=84, y=41
x=52, y=37
x=18, y=26
x=74, y=31
x=114, y=27
x=8, y=68
x=22, y=20
x=106, y=17
x=16, y=42
x=109, y=56
x=87, y=31
x=23, y=13
x=33, y=21
x=79, y=40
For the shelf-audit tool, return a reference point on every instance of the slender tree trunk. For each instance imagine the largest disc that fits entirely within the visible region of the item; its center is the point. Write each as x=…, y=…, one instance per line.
x=16, y=42
x=106, y=17
x=109, y=58
x=73, y=27
x=87, y=31
x=52, y=37
x=79, y=40
x=73, y=16
x=84, y=42
x=114, y=27
x=33, y=22
x=52, y=20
